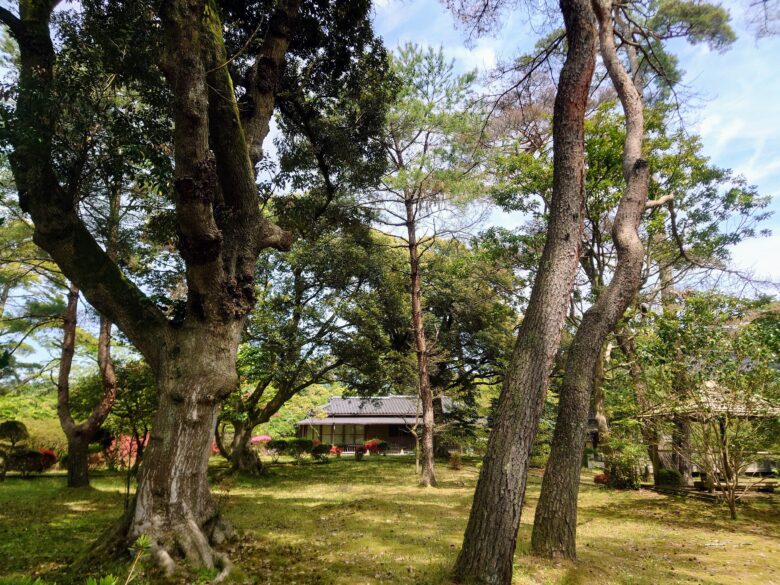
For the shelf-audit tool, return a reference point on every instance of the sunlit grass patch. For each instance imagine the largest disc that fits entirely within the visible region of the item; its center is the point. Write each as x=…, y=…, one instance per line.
x=368, y=523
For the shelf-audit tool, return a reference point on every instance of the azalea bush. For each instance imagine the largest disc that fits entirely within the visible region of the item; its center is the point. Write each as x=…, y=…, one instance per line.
x=27, y=461
x=336, y=451
x=377, y=447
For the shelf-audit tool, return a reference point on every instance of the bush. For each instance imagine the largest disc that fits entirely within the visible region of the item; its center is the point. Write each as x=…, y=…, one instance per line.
x=320, y=452
x=27, y=461
x=601, y=479
x=360, y=451
x=377, y=447
x=669, y=477
x=299, y=447
x=623, y=463
x=455, y=461
x=337, y=451
x=276, y=448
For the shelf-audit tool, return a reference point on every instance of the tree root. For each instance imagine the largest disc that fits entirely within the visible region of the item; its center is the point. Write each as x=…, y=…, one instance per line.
x=184, y=538
x=176, y=543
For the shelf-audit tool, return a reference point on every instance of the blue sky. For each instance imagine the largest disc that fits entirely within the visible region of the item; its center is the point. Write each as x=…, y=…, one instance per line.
x=736, y=109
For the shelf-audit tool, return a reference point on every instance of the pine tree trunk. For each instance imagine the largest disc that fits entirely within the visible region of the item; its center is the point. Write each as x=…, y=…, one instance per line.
x=427, y=474
x=555, y=524
x=491, y=535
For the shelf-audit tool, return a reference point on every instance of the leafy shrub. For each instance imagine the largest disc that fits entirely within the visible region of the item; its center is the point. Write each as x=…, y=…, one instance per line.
x=601, y=479
x=27, y=461
x=337, y=451
x=360, y=451
x=299, y=447
x=455, y=461
x=377, y=447
x=669, y=477
x=320, y=452
x=276, y=448
x=623, y=463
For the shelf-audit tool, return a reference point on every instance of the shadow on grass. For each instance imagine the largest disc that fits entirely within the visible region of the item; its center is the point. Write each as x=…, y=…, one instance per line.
x=368, y=522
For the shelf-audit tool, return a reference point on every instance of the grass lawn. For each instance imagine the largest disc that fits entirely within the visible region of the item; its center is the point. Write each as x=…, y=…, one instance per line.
x=356, y=523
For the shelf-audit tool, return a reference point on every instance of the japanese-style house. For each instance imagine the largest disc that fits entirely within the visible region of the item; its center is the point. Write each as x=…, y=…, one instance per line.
x=348, y=422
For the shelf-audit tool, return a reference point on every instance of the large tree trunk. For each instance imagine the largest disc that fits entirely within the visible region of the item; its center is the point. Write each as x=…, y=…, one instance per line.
x=491, y=535
x=173, y=503
x=555, y=524
x=427, y=474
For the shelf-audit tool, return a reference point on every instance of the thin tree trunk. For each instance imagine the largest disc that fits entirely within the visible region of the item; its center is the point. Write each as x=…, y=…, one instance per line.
x=80, y=435
x=681, y=438
x=658, y=460
x=491, y=534
x=555, y=525
x=427, y=474
x=599, y=402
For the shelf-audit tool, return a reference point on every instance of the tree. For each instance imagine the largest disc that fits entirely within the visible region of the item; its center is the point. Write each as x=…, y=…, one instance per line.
x=306, y=328
x=12, y=432
x=430, y=143
x=491, y=535
x=729, y=395
x=555, y=522
x=220, y=120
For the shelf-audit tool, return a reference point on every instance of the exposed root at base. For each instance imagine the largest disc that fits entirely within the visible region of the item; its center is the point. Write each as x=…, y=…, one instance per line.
x=175, y=547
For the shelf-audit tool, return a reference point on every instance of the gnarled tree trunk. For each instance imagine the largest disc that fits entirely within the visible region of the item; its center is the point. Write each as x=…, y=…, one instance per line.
x=491, y=535
x=173, y=503
x=221, y=231
x=555, y=524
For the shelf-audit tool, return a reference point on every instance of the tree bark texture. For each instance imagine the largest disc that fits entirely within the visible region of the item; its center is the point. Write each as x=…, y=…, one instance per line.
x=221, y=231
x=491, y=534
x=427, y=473
x=555, y=524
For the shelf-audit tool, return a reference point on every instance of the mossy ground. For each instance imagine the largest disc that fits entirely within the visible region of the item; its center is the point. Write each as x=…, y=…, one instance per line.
x=361, y=523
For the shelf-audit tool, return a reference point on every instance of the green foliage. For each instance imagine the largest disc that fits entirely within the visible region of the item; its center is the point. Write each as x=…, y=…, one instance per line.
x=623, y=459
x=320, y=452
x=298, y=447
x=106, y=580
x=276, y=448
x=668, y=477
x=13, y=431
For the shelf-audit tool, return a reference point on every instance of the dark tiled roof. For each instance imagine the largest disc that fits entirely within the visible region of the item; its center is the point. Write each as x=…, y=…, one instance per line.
x=359, y=420
x=377, y=406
